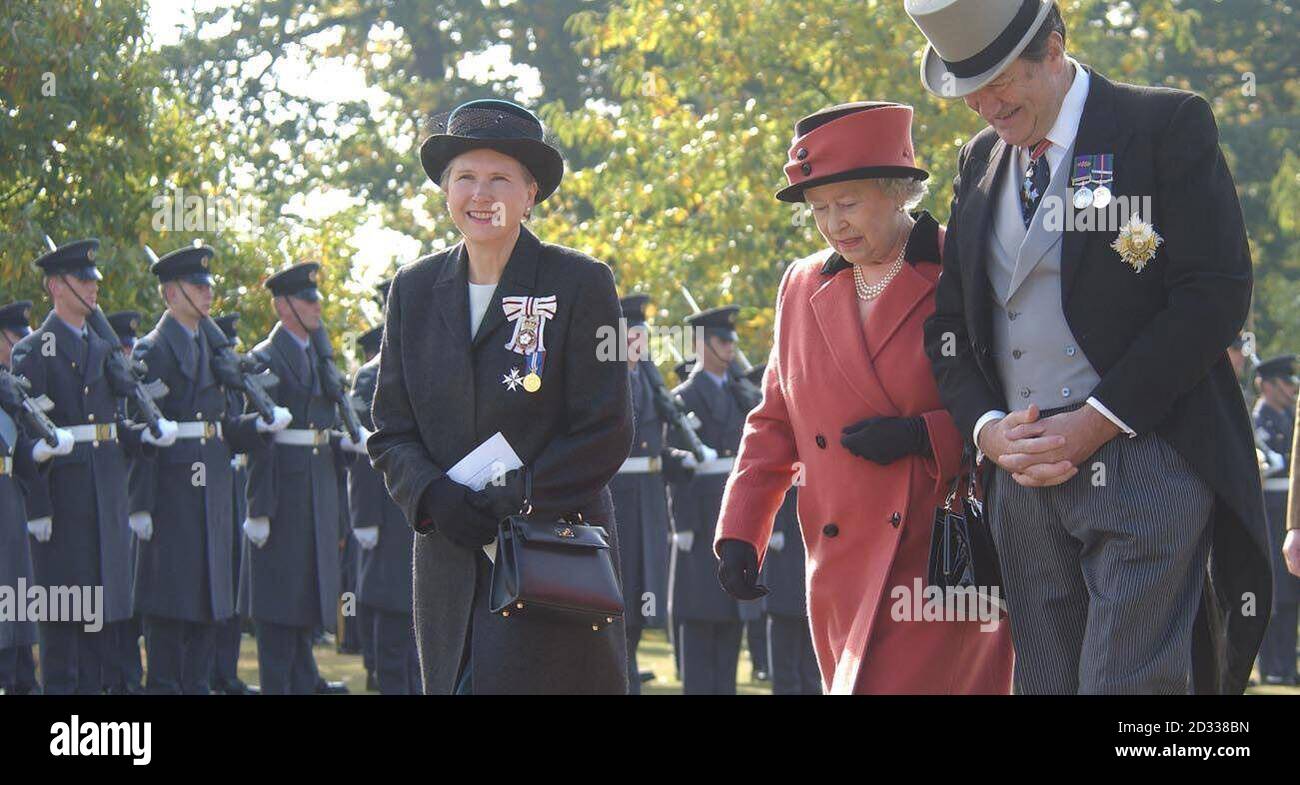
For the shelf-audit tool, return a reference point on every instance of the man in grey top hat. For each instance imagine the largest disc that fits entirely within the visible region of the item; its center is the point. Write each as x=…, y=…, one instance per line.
x=1095, y=272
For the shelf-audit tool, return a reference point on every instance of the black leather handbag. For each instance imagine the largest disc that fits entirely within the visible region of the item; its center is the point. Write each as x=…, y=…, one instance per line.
x=962, y=554
x=555, y=568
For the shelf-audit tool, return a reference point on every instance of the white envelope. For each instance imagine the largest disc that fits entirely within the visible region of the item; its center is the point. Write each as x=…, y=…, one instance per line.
x=492, y=458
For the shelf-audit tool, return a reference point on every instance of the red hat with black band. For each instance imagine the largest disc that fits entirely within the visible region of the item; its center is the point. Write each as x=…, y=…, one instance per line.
x=856, y=141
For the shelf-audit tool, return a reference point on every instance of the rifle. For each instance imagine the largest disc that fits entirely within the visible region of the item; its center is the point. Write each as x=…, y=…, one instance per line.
x=31, y=412
x=674, y=410
x=333, y=385
x=127, y=376
x=236, y=371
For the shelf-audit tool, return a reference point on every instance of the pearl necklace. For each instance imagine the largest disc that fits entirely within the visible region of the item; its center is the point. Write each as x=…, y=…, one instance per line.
x=870, y=291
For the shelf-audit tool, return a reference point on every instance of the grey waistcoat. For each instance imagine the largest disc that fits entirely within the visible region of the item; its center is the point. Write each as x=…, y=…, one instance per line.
x=1036, y=353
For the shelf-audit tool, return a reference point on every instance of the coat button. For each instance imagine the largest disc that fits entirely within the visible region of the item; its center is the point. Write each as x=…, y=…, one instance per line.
x=1069, y=351
x=806, y=168
x=895, y=519
x=831, y=530
x=1016, y=353
x=1012, y=315
x=645, y=445
x=315, y=451
x=821, y=441
x=1024, y=392
x=802, y=153
x=91, y=417
x=86, y=391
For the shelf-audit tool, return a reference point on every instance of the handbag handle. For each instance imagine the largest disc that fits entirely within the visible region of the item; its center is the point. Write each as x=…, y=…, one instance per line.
x=967, y=460
x=526, y=506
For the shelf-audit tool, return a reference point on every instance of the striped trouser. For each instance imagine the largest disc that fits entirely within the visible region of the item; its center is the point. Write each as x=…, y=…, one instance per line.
x=1104, y=572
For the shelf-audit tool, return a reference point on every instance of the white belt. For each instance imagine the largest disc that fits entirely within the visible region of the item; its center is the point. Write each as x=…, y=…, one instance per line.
x=644, y=464
x=199, y=429
x=716, y=466
x=302, y=437
x=240, y=461
x=1277, y=484
x=93, y=432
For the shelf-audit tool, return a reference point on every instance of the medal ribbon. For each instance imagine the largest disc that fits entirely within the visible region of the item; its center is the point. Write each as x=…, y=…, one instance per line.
x=519, y=307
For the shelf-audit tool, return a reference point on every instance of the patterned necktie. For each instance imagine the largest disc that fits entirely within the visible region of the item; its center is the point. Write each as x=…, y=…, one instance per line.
x=1037, y=176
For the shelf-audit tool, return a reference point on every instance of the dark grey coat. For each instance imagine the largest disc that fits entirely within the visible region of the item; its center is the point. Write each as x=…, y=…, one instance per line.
x=184, y=570
x=384, y=579
x=440, y=394
x=85, y=491
x=783, y=570
x=641, y=504
x=294, y=578
x=15, y=555
x=694, y=591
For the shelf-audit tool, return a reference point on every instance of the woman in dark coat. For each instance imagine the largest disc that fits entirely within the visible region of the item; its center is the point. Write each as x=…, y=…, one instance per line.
x=500, y=333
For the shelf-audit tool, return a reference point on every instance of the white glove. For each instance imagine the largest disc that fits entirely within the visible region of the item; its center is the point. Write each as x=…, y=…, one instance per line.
x=142, y=524
x=42, y=452
x=710, y=454
x=777, y=543
x=684, y=540
x=258, y=530
x=688, y=460
x=168, y=437
x=41, y=528
x=367, y=537
x=358, y=447
x=280, y=419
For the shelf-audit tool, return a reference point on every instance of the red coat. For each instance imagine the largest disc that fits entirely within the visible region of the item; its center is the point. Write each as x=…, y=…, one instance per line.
x=866, y=526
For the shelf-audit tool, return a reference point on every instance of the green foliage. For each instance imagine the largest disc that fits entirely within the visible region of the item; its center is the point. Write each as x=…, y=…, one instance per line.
x=674, y=117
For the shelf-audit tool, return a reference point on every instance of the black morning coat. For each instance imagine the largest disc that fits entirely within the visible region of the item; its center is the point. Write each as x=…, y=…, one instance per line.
x=183, y=572
x=384, y=577
x=294, y=578
x=85, y=491
x=441, y=394
x=1158, y=338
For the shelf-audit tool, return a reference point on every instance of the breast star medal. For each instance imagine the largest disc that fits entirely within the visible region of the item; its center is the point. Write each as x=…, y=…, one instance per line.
x=512, y=380
x=530, y=315
x=1137, y=242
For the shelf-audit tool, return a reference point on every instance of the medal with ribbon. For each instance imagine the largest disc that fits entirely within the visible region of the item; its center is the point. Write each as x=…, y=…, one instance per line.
x=1091, y=179
x=529, y=315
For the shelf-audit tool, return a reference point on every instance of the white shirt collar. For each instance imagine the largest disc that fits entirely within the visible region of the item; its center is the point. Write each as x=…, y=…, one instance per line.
x=1066, y=127
x=304, y=343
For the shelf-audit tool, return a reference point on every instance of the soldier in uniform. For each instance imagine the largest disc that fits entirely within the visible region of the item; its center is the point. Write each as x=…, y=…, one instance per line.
x=292, y=529
x=1274, y=418
x=640, y=495
x=77, y=508
x=790, y=653
x=708, y=622
x=385, y=540
x=17, y=666
x=225, y=663
x=180, y=498
x=123, y=668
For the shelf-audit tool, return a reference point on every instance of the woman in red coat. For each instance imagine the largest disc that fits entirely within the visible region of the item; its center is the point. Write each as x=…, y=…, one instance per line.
x=851, y=413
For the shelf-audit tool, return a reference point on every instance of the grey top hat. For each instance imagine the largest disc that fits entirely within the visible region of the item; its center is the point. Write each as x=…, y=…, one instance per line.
x=972, y=41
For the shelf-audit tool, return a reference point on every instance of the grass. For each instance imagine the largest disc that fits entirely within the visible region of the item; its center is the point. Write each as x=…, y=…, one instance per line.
x=654, y=654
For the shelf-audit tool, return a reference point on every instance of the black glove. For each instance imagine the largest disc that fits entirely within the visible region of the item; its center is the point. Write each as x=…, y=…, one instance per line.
x=886, y=439
x=500, y=501
x=446, y=504
x=674, y=468
x=738, y=570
